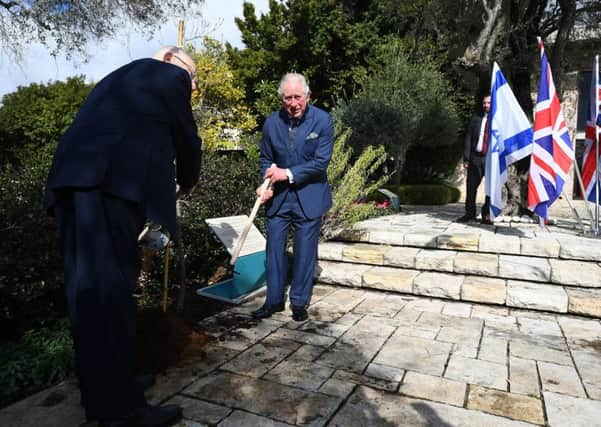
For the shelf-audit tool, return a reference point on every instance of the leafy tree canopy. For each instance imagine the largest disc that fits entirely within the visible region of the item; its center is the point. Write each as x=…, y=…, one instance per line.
x=331, y=41
x=39, y=114
x=67, y=26
x=223, y=117
x=401, y=104
x=318, y=38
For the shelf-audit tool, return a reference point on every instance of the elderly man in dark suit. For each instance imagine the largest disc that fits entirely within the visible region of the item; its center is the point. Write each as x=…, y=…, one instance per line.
x=113, y=170
x=474, y=161
x=295, y=153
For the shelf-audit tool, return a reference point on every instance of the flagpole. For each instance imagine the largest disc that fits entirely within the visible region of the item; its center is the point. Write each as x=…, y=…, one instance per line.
x=594, y=118
x=582, y=191
x=574, y=211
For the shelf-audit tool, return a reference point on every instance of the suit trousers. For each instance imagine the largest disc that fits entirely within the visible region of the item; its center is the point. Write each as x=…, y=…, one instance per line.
x=306, y=238
x=475, y=173
x=98, y=235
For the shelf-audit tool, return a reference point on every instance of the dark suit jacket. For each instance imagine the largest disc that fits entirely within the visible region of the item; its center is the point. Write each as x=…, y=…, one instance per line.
x=471, y=141
x=125, y=137
x=307, y=159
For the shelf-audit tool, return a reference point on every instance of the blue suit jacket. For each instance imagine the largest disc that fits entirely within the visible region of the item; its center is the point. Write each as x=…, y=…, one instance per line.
x=307, y=158
x=125, y=137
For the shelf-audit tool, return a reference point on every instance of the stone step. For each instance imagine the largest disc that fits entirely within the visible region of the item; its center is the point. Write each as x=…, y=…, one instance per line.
x=462, y=286
x=423, y=252
x=427, y=231
x=545, y=270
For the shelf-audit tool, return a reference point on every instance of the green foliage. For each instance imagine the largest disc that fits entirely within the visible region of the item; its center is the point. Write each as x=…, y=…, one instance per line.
x=30, y=266
x=322, y=39
x=226, y=187
x=426, y=26
x=400, y=105
x=268, y=99
x=71, y=27
x=40, y=358
x=350, y=184
x=39, y=114
x=426, y=194
x=224, y=120
x=431, y=165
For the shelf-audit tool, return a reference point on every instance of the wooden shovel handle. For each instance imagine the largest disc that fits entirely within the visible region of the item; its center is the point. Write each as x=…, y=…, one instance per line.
x=249, y=224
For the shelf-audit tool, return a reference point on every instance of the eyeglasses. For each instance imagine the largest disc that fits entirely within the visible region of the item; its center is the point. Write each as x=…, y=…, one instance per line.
x=289, y=98
x=192, y=74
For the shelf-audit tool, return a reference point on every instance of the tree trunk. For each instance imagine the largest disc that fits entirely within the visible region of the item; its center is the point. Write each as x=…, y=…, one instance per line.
x=508, y=36
x=480, y=51
x=517, y=174
x=566, y=23
x=522, y=43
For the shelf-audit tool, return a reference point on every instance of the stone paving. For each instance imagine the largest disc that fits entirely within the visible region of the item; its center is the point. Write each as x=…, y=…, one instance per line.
x=422, y=251
x=372, y=358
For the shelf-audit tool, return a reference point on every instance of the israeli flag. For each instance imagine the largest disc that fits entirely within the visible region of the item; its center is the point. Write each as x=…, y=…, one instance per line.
x=510, y=138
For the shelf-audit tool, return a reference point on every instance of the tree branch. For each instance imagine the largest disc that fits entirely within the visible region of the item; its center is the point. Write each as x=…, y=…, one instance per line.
x=480, y=51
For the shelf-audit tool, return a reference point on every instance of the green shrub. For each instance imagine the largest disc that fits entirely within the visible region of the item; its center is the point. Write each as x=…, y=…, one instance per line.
x=226, y=187
x=31, y=292
x=454, y=193
x=39, y=114
x=426, y=194
x=350, y=184
x=402, y=104
x=431, y=165
x=40, y=358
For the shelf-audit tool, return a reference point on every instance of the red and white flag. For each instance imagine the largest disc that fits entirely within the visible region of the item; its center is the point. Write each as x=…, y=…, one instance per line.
x=552, y=151
x=589, y=162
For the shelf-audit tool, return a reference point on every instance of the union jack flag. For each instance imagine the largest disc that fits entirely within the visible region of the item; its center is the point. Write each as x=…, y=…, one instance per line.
x=591, y=136
x=552, y=151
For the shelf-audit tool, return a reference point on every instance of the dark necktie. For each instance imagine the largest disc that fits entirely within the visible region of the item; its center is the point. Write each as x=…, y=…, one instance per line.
x=485, y=136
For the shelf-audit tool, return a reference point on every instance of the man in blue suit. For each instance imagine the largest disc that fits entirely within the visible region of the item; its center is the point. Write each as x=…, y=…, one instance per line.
x=114, y=169
x=295, y=153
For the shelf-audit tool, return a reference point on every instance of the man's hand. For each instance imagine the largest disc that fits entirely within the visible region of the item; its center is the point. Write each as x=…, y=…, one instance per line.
x=276, y=174
x=465, y=165
x=267, y=194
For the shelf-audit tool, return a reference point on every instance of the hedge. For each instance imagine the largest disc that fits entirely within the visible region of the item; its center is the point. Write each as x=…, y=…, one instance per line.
x=426, y=194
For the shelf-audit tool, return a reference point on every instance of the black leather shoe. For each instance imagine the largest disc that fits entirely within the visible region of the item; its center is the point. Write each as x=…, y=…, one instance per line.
x=299, y=314
x=143, y=381
x=267, y=310
x=486, y=220
x=465, y=218
x=148, y=416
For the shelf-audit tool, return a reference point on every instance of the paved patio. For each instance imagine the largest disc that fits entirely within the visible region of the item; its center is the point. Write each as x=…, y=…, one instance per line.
x=374, y=358
x=367, y=358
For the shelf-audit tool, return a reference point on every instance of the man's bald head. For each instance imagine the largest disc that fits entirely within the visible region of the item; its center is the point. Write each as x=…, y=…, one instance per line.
x=178, y=57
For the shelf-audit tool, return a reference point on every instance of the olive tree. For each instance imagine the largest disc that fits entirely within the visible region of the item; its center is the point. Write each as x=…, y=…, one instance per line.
x=67, y=26
x=400, y=105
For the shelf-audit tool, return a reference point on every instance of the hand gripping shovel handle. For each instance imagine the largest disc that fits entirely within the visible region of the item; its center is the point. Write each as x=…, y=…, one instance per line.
x=249, y=224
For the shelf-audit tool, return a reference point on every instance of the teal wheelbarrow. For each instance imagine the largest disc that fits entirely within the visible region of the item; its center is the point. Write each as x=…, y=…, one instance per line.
x=246, y=246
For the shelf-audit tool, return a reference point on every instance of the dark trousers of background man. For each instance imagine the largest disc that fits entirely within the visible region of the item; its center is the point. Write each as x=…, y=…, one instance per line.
x=98, y=235
x=475, y=174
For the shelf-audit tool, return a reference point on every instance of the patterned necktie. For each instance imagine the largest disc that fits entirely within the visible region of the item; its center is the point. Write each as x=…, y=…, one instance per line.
x=293, y=128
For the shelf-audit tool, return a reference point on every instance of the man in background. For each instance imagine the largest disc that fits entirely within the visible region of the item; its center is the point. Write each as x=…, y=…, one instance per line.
x=295, y=152
x=474, y=162
x=113, y=170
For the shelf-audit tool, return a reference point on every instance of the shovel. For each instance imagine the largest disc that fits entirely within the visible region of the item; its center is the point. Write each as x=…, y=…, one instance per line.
x=249, y=224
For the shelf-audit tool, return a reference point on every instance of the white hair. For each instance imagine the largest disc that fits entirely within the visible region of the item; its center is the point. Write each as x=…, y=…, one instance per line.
x=293, y=76
x=160, y=54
